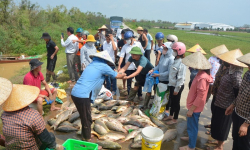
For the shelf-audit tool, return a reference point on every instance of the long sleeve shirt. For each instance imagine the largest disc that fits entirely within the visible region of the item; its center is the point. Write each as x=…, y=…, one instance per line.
x=70, y=47
x=177, y=74
x=164, y=65
x=198, y=92
x=85, y=51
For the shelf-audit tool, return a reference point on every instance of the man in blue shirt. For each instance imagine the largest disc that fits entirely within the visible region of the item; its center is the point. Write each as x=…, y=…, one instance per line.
x=149, y=45
x=143, y=67
x=88, y=87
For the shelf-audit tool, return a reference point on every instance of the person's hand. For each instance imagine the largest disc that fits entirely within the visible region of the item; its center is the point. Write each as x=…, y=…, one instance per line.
x=74, y=41
x=125, y=77
x=118, y=68
x=50, y=96
x=190, y=113
x=150, y=71
x=59, y=147
x=52, y=56
x=243, y=129
x=175, y=93
x=61, y=37
x=229, y=110
x=156, y=75
x=111, y=37
x=157, y=62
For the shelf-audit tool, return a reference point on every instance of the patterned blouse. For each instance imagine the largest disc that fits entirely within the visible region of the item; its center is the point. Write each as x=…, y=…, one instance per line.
x=242, y=101
x=218, y=76
x=225, y=94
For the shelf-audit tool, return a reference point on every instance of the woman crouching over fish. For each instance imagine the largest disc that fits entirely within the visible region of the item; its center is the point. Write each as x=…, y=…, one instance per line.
x=88, y=87
x=197, y=95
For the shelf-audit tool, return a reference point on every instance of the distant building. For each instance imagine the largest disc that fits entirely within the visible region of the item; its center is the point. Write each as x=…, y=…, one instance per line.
x=202, y=25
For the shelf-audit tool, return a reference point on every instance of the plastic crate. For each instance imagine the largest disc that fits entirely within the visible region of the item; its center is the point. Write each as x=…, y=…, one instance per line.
x=72, y=144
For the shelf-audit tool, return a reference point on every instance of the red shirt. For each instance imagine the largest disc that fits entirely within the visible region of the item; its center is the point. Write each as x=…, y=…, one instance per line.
x=198, y=92
x=30, y=79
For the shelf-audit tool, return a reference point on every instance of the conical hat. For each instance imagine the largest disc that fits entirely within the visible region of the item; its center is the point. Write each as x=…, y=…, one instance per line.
x=245, y=59
x=5, y=89
x=231, y=57
x=103, y=55
x=197, y=61
x=103, y=27
x=196, y=48
x=219, y=50
x=20, y=97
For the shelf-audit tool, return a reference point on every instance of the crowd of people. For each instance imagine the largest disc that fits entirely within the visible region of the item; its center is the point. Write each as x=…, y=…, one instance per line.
x=88, y=69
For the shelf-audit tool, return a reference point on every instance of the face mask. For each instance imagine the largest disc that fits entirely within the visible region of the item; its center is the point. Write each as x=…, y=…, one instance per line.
x=128, y=41
x=164, y=52
x=90, y=43
x=174, y=53
x=103, y=32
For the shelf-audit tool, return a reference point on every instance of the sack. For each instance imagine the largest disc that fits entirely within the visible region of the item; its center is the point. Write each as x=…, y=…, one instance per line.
x=105, y=94
x=149, y=83
x=160, y=101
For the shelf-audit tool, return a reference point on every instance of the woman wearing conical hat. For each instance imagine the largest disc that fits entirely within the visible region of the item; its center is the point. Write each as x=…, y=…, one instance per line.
x=23, y=127
x=101, y=34
x=226, y=94
x=240, y=109
x=196, y=99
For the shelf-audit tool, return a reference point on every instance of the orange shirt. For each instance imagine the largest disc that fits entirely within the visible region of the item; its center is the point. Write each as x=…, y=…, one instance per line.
x=80, y=44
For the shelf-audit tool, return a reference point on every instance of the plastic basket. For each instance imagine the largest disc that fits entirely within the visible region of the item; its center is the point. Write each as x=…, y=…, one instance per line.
x=72, y=144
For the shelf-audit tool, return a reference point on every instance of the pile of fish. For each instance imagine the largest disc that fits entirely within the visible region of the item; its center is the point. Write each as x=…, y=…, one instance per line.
x=113, y=121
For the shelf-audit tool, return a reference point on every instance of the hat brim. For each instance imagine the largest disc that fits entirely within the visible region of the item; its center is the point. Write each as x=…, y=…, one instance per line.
x=6, y=88
x=90, y=40
x=34, y=67
x=135, y=53
x=231, y=58
x=197, y=61
x=109, y=62
x=245, y=59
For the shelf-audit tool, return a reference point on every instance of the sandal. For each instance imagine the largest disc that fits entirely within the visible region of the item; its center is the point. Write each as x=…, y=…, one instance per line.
x=208, y=132
x=207, y=126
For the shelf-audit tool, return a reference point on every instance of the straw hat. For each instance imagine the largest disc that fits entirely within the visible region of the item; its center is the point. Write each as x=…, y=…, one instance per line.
x=103, y=55
x=231, y=57
x=103, y=27
x=20, y=97
x=139, y=29
x=197, y=61
x=196, y=48
x=5, y=89
x=245, y=59
x=219, y=50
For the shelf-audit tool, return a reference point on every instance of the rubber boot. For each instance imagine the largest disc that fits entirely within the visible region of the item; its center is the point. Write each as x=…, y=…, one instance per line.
x=146, y=101
x=54, y=77
x=48, y=77
x=132, y=94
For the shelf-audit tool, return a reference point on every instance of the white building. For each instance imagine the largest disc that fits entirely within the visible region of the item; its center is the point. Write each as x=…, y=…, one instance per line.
x=202, y=25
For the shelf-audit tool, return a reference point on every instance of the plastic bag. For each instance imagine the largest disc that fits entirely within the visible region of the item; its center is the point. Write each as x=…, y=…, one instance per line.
x=160, y=101
x=149, y=83
x=105, y=94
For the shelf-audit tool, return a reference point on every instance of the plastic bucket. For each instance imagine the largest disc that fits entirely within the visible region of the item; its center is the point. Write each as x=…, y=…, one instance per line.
x=151, y=138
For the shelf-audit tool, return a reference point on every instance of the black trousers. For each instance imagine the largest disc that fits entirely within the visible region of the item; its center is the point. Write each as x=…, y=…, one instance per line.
x=240, y=143
x=84, y=109
x=175, y=102
x=129, y=82
x=147, y=54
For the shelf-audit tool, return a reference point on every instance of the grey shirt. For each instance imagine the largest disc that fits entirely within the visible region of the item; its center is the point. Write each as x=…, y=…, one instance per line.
x=86, y=50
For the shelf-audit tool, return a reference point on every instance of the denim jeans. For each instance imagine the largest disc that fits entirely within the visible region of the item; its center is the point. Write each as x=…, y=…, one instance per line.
x=109, y=79
x=192, y=129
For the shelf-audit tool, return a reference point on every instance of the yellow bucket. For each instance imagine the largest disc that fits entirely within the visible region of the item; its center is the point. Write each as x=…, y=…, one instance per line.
x=151, y=138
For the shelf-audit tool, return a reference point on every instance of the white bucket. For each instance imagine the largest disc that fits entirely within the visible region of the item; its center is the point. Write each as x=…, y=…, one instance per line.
x=151, y=138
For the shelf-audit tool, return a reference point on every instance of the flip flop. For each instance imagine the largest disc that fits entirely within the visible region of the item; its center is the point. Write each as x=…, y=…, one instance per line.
x=208, y=132
x=49, y=101
x=207, y=126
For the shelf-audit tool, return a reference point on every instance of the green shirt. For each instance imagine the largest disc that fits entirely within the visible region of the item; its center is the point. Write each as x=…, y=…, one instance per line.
x=144, y=62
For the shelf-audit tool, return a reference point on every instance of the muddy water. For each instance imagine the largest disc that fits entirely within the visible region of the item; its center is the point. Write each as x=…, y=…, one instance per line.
x=8, y=70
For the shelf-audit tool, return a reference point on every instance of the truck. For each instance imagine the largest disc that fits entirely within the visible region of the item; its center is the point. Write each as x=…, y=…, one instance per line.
x=116, y=22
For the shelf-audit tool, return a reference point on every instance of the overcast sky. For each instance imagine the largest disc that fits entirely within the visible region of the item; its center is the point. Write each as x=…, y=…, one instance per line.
x=232, y=12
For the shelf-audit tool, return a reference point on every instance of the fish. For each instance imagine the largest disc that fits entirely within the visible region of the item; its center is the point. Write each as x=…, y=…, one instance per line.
x=107, y=112
x=123, y=102
x=92, y=125
x=66, y=123
x=128, y=127
x=100, y=122
x=157, y=122
x=98, y=101
x=112, y=137
x=132, y=135
x=164, y=129
x=66, y=129
x=113, y=115
x=122, y=119
x=115, y=126
x=134, y=117
x=104, y=119
x=114, y=108
x=79, y=132
x=134, y=123
x=72, y=106
x=97, y=116
x=74, y=116
x=51, y=121
x=94, y=110
x=138, y=137
x=105, y=107
x=143, y=115
x=100, y=129
x=66, y=104
x=62, y=117
x=136, y=145
x=169, y=135
x=126, y=112
x=98, y=105
x=77, y=123
x=147, y=121
x=112, y=102
x=135, y=111
x=109, y=144
x=121, y=109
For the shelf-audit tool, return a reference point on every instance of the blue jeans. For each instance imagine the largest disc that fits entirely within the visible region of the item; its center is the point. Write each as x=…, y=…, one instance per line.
x=109, y=79
x=192, y=129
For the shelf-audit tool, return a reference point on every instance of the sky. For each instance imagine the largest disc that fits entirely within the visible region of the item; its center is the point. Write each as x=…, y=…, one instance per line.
x=231, y=12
